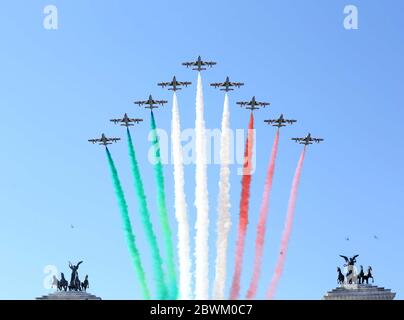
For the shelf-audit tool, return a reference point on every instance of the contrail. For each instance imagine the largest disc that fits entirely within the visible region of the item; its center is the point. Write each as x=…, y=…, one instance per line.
x=261, y=227
x=127, y=228
x=244, y=204
x=161, y=200
x=184, y=255
x=161, y=289
x=287, y=229
x=201, y=201
x=223, y=210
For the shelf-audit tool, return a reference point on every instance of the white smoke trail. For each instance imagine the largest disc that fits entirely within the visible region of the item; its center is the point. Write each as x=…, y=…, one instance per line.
x=223, y=210
x=180, y=206
x=201, y=202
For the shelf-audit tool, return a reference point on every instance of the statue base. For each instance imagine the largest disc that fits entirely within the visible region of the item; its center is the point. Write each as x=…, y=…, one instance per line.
x=359, y=292
x=69, y=295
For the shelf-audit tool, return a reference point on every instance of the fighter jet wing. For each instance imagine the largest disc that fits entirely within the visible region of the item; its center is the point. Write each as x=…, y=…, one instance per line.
x=139, y=102
x=163, y=84
x=318, y=140
x=160, y=102
x=188, y=64
x=94, y=140
x=210, y=63
x=236, y=84
x=270, y=121
x=290, y=121
x=115, y=120
x=242, y=103
x=263, y=104
x=114, y=139
x=216, y=84
x=185, y=83
x=297, y=139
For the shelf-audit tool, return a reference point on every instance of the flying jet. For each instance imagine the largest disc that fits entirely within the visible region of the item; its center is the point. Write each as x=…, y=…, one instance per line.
x=227, y=84
x=126, y=121
x=280, y=122
x=150, y=103
x=104, y=140
x=376, y=237
x=307, y=140
x=253, y=104
x=174, y=84
x=199, y=64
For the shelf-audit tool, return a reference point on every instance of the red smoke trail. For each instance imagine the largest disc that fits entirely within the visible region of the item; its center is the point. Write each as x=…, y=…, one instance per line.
x=244, y=203
x=259, y=242
x=287, y=229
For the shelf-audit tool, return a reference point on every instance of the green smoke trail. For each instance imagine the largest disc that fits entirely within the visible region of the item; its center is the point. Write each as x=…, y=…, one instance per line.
x=127, y=227
x=161, y=200
x=147, y=224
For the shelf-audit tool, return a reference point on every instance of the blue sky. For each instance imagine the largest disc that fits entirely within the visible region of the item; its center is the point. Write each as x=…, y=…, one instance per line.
x=60, y=87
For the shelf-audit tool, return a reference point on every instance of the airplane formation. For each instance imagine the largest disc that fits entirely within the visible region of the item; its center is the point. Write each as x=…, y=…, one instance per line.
x=227, y=85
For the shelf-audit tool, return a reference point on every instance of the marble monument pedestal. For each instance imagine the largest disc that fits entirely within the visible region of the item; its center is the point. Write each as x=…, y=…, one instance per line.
x=359, y=292
x=69, y=295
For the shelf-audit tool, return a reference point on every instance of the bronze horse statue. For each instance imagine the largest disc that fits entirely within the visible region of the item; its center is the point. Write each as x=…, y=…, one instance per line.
x=85, y=284
x=341, y=277
x=361, y=275
x=367, y=276
x=62, y=283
